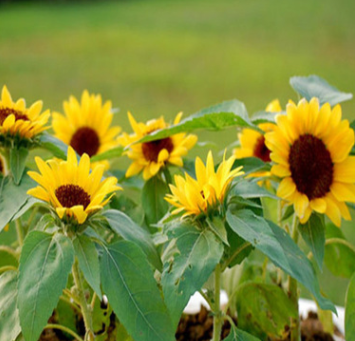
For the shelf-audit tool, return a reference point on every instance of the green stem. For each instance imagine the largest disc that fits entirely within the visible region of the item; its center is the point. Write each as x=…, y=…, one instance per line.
x=217, y=314
x=64, y=329
x=339, y=241
x=167, y=175
x=85, y=309
x=293, y=289
x=234, y=255
x=32, y=216
x=7, y=268
x=72, y=304
x=9, y=250
x=19, y=232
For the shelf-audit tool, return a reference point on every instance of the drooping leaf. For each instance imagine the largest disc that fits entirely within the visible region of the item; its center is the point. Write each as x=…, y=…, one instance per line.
x=18, y=157
x=128, y=281
x=154, y=205
x=14, y=198
x=350, y=310
x=9, y=319
x=338, y=258
x=265, y=310
x=279, y=247
x=198, y=254
x=313, y=233
x=237, y=334
x=45, y=264
x=227, y=114
x=108, y=155
x=314, y=86
x=88, y=261
x=127, y=229
x=57, y=147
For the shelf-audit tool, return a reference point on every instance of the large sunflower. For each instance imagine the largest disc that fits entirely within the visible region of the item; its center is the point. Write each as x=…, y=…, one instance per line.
x=70, y=187
x=207, y=191
x=16, y=119
x=310, y=147
x=86, y=125
x=151, y=156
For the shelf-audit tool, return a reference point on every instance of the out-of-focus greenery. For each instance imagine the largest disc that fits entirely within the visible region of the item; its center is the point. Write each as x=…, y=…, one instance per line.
x=159, y=57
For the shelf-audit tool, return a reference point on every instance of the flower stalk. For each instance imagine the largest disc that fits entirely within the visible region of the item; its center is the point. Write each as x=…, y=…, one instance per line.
x=217, y=313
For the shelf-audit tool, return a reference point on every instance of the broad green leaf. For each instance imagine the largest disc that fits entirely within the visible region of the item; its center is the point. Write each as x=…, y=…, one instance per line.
x=265, y=117
x=279, y=247
x=88, y=259
x=66, y=316
x=45, y=264
x=313, y=233
x=339, y=258
x=101, y=320
x=314, y=86
x=155, y=207
x=57, y=147
x=251, y=165
x=108, y=155
x=14, y=198
x=350, y=310
x=128, y=281
x=126, y=205
x=127, y=229
x=237, y=334
x=199, y=251
x=217, y=225
x=9, y=319
x=265, y=310
x=46, y=221
x=18, y=157
x=227, y=114
x=247, y=190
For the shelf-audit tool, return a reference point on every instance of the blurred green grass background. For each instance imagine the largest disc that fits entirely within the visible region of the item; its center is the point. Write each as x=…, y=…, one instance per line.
x=159, y=57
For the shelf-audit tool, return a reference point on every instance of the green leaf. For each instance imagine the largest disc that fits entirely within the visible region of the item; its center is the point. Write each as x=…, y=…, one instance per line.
x=110, y=154
x=57, y=147
x=313, y=233
x=18, y=157
x=265, y=117
x=227, y=114
x=66, y=316
x=199, y=253
x=127, y=229
x=46, y=221
x=217, y=225
x=350, y=310
x=126, y=205
x=339, y=258
x=237, y=334
x=101, y=320
x=155, y=207
x=251, y=165
x=279, y=247
x=247, y=190
x=128, y=281
x=88, y=259
x=45, y=264
x=9, y=321
x=314, y=86
x=265, y=310
x=14, y=198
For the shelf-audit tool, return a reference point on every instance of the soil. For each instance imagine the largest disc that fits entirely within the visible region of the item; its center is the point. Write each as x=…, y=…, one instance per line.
x=199, y=327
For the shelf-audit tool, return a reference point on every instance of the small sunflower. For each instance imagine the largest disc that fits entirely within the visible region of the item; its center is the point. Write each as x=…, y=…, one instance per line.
x=86, y=125
x=310, y=147
x=208, y=190
x=70, y=188
x=252, y=142
x=17, y=120
x=152, y=156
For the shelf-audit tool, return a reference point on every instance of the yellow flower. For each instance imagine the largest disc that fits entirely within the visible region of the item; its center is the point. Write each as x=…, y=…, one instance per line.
x=86, y=125
x=208, y=190
x=70, y=187
x=151, y=156
x=16, y=119
x=252, y=142
x=310, y=147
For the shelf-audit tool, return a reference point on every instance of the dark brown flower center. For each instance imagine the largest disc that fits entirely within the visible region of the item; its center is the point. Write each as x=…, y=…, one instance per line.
x=72, y=195
x=5, y=112
x=261, y=151
x=85, y=140
x=152, y=149
x=311, y=166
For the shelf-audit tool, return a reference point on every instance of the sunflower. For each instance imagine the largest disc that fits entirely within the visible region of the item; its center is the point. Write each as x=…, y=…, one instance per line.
x=70, y=188
x=310, y=147
x=152, y=156
x=86, y=125
x=207, y=191
x=17, y=120
x=252, y=142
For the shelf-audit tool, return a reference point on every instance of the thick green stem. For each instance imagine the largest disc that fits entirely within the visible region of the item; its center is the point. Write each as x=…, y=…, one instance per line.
x=293, y=290
x=217, y=313
x=85, y=309
x=19, y=231
x=64, y=329
x=9, y=250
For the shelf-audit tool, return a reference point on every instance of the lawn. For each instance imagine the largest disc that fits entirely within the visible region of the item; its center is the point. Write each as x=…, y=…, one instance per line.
x=160, y=57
